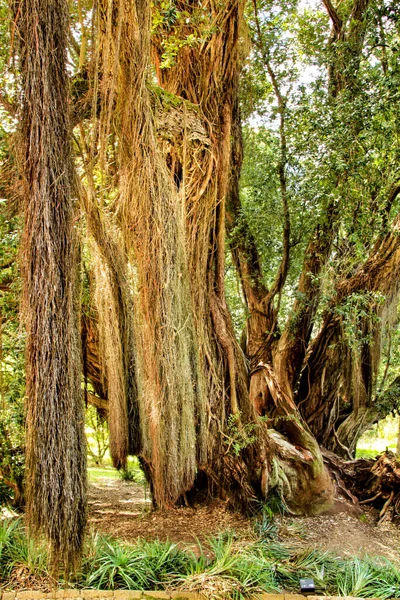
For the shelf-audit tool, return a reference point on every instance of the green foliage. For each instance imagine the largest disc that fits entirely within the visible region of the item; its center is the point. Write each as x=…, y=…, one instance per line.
x=28, y=553
x=118, y=567
x=342, y=150
x=264, y=523
x=355, y=308
x=9, y=532
x=265, y=528
x=112, y=565
x=231, y=572
x=131, y=473
x=226, y=566
x=383, y=435
x=12, y=359
x=97, y=435
x=239, y=436
x=12, y=465
x=179, y=29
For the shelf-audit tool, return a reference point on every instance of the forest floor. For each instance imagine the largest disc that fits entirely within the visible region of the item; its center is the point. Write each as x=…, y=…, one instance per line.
x=123, y=510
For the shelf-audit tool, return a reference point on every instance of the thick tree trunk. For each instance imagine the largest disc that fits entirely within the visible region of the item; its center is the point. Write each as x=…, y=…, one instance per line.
x=209, y=79
x=311, y=372
x=337, y=388
x=55, y=442
x=202, y=84
x=373, y=482
x=195, y=412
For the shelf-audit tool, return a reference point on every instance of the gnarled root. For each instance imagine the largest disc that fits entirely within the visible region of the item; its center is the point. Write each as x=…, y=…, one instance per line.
x=372, y=482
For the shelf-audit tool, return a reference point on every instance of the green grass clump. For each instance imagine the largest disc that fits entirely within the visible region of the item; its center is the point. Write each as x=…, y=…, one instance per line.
x=117, y=567
x=111, y=564
x=310, y=562
x=369, y=578
x=232, y=571
x=363, y=578
x=164, y=561
x=131, y=474
x=9, y=529
x=224, y=567
x=16, y=550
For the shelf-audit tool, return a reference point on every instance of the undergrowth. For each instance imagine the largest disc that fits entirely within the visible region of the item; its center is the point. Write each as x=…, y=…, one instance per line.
x=223, y=567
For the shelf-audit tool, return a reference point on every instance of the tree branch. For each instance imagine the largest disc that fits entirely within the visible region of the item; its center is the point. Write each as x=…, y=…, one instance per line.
x=281, y=275
x=388, y=206
x=336, y=20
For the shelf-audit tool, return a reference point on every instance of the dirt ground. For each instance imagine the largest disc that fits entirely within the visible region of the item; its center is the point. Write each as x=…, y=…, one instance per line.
x=123, y=510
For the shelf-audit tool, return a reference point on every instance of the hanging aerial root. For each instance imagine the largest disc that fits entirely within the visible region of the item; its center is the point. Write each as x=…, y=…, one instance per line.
x=152, y=226
x=112, y=345
x=55, y=439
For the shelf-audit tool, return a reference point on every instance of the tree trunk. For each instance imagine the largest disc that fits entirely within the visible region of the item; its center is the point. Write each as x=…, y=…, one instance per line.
x=55, y=442
x=195, y=413
x=210, y=79
x=337, y=388
x=332, y=383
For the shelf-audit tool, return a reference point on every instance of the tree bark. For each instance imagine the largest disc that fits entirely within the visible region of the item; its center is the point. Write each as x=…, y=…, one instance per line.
x=55, y=442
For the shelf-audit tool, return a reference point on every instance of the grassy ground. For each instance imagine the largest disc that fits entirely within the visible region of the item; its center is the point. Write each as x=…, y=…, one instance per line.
x=227, y=566
x=95, y=474
x=381, y=436
x=372, y=452
x=132, y=472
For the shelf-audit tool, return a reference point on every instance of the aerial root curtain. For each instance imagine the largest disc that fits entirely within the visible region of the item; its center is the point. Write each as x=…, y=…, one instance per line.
x=191, y=373
x=55, y=442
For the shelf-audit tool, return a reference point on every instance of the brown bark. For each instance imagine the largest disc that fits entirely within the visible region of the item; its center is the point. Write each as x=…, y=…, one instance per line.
x=333, y=385
x=345, y=45
x=220, y=60
x=293, y=344
x=375, y=482
x=55, y=442
x=337, y=387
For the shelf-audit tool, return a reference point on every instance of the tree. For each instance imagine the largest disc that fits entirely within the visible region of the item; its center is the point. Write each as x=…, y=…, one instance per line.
x=157, y=171
x=171, y=217
x=336, y=395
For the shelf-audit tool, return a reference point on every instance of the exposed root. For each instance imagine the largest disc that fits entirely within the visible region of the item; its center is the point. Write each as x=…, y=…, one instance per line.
x=371, y=499
x=370, y=481
x=386, y=506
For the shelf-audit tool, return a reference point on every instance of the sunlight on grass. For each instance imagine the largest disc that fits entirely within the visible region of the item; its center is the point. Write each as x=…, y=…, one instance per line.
x=95, y=474
x=381, y=436
x=133, y=472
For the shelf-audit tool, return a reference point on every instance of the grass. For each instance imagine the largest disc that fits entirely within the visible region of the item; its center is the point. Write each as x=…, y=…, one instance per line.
x=224, y=567
x=381, y=436
x=96, y=474
x=133, y=472
x=371, y=453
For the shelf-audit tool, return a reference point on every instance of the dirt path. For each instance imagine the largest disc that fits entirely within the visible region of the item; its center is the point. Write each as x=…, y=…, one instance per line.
x=123, y=510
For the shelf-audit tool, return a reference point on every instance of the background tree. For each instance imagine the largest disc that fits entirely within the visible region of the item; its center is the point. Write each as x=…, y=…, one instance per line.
x=333, y=167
